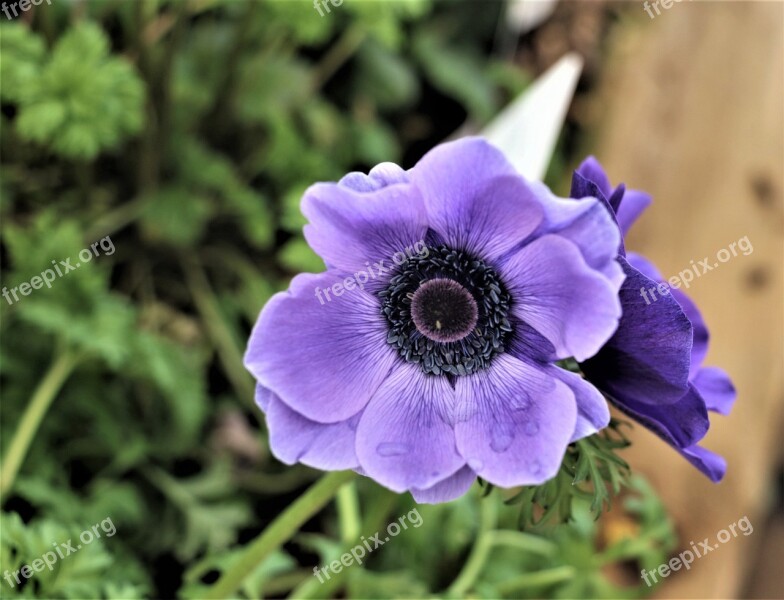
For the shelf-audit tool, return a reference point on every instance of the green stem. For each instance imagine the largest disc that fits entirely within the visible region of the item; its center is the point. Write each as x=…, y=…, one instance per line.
x=480, y=552
x=279, y=531
x=522, y=541
x=270, y=484
x=114, y=220
x=62, y=366
x=377, y=513
x=537, y=579
x=338, y=54
x=279, y=585
x=348, y=513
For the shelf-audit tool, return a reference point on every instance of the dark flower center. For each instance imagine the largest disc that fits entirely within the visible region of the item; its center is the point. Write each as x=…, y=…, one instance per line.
x=443, y=310
x=447, y=311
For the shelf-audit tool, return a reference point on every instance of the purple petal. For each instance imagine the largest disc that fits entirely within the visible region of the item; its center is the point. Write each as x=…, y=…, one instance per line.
x=379, y=177
x=513, y=422
x=711, y=464
x=475, y=199
x=449, y=489
x=716, y=389
x=589, y=224
x=263, y=396
x=632, y=206
x=293, y=438
x=648, y=357
x=559, y=295
x=405, y=437
x=353, y=230
x=325, y=360
x=681, y=424
x=593, y=412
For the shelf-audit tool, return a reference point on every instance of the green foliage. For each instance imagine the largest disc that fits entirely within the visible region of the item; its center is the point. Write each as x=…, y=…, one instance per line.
x=455, y=71
x=78, y=574
x=77, y=99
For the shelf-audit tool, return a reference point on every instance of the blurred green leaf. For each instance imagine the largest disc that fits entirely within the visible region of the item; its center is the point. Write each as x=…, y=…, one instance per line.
x=82, y=100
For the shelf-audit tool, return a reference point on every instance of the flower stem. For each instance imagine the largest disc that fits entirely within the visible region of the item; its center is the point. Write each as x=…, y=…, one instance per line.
x=338, y=54
x=279, y=531
x=381, y=504
x=537, y=579
x=62, y=366
x=348, y=513
x=523, y=541
x=479, y=553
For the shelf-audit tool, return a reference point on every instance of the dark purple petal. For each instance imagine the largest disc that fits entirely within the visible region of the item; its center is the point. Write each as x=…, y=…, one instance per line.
x=700, y=330
x=681, y=424
x=716, y=389
x=583, y=187
x=405, y=437
x=475, y=199
x=353, y=231
x=593, y=412
x=324, y=360
x=293, y=438
x=699, y=347
x=626, y=205
x=449, y=489
x=591, y=170
x=644, y=266
x=647, y=359
x=513, y=422
x=379, y=177
x=631, y=207
x=560, y=296
x=711, y=464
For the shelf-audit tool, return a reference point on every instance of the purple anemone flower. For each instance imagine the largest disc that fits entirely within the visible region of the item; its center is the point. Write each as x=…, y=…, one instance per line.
x=424, y=356
x=651, y=368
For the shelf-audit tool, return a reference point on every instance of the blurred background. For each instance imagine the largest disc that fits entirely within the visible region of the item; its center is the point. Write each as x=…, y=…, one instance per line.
x=165, y=145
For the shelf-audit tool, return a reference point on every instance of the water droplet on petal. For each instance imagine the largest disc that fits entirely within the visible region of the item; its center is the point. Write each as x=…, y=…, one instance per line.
x=392, y=449
x=531, y=428
x=475, y=464
x=535, y=467
x=501, y=438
